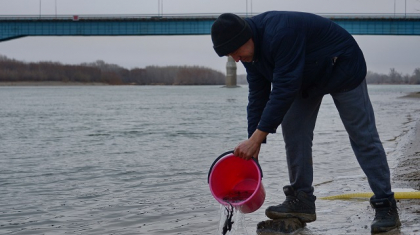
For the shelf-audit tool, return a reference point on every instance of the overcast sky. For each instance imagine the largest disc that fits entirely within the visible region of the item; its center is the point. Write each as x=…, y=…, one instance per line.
x=381, y=52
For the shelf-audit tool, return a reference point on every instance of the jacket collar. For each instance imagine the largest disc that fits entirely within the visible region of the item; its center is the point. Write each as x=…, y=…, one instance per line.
x=255, y=38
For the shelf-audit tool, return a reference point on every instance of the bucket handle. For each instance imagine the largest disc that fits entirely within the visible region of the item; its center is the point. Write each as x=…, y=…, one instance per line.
x=224, y=154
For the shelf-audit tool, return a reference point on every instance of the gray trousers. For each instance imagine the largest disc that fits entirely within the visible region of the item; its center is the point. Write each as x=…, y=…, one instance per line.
x=357, y=115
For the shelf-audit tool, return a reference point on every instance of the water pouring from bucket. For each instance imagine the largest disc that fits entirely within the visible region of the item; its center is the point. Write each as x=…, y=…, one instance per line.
x=236, y=184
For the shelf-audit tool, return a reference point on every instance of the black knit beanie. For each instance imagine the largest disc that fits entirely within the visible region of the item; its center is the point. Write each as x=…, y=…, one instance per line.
x=228, y=33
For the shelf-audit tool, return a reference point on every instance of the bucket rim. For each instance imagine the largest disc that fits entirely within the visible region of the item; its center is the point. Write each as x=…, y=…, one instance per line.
x=227, y=154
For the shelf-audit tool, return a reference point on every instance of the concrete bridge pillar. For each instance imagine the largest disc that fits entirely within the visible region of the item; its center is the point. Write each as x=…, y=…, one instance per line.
x=231, y=72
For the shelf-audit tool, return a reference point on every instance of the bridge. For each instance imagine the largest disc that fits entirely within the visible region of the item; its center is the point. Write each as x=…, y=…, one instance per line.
x=12, y=27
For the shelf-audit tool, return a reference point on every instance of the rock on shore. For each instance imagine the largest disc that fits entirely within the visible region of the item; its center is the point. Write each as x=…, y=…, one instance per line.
x=279, y=226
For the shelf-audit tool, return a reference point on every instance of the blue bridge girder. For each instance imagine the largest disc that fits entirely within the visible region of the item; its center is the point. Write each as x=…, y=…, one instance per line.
x=12, y=27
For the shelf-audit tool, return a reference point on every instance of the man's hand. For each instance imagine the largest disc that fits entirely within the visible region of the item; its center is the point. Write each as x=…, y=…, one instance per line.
x=250, y=147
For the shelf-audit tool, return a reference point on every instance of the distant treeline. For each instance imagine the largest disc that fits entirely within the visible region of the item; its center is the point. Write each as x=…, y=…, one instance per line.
x=393, y=77
x=100, y=72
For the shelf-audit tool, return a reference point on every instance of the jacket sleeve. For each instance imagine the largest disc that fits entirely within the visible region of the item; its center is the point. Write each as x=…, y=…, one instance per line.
x=259, y=91
x=288, y=54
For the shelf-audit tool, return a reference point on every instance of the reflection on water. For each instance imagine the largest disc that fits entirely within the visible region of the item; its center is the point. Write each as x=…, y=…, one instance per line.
x=135, y=159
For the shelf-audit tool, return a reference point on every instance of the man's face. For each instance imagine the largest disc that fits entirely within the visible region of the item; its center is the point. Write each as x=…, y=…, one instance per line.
x=245, y=53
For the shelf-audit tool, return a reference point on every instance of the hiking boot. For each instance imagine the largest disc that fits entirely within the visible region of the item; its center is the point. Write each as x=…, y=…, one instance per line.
x=386, y=215
x=297, y=205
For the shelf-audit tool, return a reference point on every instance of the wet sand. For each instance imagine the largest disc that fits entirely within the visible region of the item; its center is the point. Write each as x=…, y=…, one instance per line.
x=412, y=95
x=407, y=175
x=407, y=172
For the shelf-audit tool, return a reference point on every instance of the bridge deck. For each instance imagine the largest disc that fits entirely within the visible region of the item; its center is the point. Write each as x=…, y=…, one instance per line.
x=12, y=27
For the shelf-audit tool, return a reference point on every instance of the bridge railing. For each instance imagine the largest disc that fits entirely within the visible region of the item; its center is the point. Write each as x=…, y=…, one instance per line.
x=201, y=16
x=106, y=17
x=371, y=15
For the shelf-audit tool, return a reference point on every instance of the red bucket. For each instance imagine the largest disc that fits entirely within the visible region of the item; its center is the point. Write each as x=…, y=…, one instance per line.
x=237, y=182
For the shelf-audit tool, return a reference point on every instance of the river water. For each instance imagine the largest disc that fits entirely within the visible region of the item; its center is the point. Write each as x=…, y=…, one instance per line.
x=134, y=159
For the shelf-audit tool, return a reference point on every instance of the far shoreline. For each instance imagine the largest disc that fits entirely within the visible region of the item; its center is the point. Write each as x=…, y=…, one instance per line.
x=61, y=83
x=53, y=83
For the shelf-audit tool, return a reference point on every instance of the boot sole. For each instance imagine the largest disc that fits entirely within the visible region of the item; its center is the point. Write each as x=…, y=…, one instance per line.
x=384, y=229
x=307, y=218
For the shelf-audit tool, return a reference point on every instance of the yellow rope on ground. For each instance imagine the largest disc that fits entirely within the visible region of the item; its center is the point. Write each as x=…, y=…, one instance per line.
x=397, y=195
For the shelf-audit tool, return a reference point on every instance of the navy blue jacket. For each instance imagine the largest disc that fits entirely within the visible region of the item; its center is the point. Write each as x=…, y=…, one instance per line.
x=297, y=54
